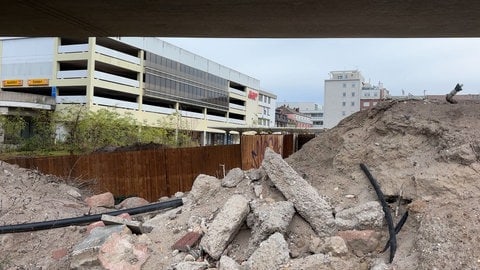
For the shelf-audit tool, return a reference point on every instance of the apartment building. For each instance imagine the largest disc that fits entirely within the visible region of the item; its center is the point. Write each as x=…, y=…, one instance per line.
x=295, y=119
x=311, y=109
x=146, y=77
x=346, y=92
x=266, y=109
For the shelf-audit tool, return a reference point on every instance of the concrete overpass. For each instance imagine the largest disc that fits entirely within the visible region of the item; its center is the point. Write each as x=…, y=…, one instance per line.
x=241, y=18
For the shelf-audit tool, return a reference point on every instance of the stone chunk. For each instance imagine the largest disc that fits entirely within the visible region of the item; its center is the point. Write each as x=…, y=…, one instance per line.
x=233, y=178
x=271, y=254
x=85, y=254
x=135, y=226
x=269, y=219
x=335, y=245
x=132, y=202
x=255, y=174
x=187, y=241
x=123, y=251
x=227, y=263
x=203, y=188
x=362, y=242
x=308, y=203
x=365, y=216
x=321, y=262
x=101, y=200
x=225, y=225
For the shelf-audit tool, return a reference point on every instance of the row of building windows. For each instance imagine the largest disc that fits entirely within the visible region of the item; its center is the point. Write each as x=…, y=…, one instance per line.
x=264, y=98
x=344, y=94
x=353, y=85
x=375, y=94
x=345, y=103
x=161, y=63
x=181, y=91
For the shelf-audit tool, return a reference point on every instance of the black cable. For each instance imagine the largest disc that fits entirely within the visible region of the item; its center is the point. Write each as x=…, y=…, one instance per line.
x=386, y=211
x=397, y=229
x=51, y=224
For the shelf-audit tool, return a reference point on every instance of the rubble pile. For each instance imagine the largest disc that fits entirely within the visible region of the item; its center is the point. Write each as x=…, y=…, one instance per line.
x=314, y=210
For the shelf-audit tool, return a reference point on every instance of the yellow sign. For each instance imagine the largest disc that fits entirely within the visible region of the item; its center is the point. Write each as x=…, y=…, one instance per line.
x=6, y=83
x=36, y=82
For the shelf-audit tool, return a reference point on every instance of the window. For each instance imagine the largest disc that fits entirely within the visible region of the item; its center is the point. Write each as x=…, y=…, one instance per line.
x=374, y=103
x=353, y=94
x=343, y=113
x=375, y=94
x=344, y=85
x=353, y=85
x=353, y=103
x=339, y=77
x=366, y=104
x=344, y=94
x=344, y=103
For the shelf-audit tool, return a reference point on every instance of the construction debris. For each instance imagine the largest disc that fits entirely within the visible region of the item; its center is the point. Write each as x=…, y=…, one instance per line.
x=326, y=217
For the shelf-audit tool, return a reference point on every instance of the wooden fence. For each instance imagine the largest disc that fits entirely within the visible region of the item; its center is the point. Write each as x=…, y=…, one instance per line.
x=253, y=148
x=150, y=174
x=154, y=173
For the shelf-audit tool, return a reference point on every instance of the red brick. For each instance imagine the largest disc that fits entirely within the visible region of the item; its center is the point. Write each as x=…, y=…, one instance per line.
x=59, y=253
x=187, y=241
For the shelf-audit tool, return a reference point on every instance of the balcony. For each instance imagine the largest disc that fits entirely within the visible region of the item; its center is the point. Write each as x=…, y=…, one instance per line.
x=116, y=54
x=77, y=48
x=115, y=103
x=236, y=106
x=72, y=74
x=115, y=79
x=216, y=118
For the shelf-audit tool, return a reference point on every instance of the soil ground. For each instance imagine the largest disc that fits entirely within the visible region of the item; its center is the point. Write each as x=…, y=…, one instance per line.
x=425, y=152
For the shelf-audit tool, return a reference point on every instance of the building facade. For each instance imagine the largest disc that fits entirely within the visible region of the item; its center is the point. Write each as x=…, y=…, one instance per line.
x=346, y=92
x=295, y=119
x=311, y=109
x=146, y=77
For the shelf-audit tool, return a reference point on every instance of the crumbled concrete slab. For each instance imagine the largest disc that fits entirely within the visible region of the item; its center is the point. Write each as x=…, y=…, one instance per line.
x=255, y=174
x=269, y=219
x=191, y=266
x=85, y=254
x=308, y=203
x=233, y=178
x=271, y=254
x=364, y=216
x=225, y=225
x=204, y=188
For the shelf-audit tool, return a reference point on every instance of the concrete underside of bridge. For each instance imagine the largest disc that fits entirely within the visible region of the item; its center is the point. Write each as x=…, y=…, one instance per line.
x=241, y=18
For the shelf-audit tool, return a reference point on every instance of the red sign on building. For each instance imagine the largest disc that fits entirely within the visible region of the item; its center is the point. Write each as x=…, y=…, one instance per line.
x=252, y=95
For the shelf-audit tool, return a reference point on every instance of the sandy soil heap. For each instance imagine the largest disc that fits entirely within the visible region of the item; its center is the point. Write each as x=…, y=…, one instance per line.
x=315, y=210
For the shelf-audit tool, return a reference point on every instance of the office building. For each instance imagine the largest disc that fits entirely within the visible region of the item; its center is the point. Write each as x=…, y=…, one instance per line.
x=146, y=77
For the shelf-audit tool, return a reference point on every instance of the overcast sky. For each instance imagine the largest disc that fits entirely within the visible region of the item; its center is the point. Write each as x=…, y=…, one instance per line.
x=295, y=69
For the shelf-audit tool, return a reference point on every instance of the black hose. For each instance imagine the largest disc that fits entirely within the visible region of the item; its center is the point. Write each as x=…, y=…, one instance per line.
x=397, y=229
x=386, y=211
x=51, y=224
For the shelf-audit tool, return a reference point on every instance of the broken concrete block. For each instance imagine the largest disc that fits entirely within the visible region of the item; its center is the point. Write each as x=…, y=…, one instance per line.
x=227, y=263
x=134, y=226
x=271, y=254
x=255, y=174
x=85, y=254
x=364, y=216
x=101, y=200
x=233, y=178
x=225, y=225
x=74, y=193
x=203, y=188
x=188, y=241
x=269, y=219
x=132, y=202
x=123, y=251
x=308, y=203
x=361, y=242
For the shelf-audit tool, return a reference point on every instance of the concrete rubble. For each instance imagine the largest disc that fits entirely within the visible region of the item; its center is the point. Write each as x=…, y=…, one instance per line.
x=233, y=178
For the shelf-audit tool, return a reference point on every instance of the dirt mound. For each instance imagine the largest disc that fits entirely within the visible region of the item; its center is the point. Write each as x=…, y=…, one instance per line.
x=323, y=215
x=429, y=153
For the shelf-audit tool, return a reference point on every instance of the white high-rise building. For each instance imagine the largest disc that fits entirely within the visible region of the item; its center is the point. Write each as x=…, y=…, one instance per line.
x=346, y=92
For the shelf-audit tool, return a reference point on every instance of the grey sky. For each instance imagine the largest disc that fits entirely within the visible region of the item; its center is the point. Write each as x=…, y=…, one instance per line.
x=295, y=69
